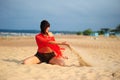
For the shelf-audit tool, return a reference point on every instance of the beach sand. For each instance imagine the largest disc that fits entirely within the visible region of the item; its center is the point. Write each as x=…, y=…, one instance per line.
x=102, y=53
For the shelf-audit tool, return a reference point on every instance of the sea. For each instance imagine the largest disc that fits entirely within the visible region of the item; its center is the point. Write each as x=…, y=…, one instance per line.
x=8, y=32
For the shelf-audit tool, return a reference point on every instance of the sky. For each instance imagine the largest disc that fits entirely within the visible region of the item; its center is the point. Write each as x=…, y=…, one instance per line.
x=63, y=15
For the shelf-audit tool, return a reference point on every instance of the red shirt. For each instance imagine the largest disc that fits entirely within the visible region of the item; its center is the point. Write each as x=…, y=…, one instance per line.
x=43, y=41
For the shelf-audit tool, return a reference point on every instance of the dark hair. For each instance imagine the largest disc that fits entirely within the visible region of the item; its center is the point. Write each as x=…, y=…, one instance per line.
x=44, y=25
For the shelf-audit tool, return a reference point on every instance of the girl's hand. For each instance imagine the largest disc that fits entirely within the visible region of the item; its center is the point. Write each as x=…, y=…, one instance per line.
x=65, y=43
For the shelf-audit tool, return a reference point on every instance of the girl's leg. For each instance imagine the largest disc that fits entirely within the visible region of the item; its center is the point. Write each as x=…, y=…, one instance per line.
x=57, y=61
x=31, y=60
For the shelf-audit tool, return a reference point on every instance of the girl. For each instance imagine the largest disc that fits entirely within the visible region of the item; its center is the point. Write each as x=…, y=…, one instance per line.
x=48, y=49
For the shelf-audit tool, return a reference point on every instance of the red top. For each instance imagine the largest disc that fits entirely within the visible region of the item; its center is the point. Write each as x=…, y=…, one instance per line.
x=43, y=41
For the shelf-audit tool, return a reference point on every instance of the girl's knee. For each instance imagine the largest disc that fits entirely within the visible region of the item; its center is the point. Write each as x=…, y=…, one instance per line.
x=26, y=62
x=62, y=64
x=31, y=60
x=57, y=61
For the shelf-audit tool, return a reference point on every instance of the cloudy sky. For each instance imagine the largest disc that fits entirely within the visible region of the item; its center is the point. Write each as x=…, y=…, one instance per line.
x=63, y=15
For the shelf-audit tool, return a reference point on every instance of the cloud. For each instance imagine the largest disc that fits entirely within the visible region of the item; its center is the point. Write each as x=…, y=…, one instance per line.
x=63, y=13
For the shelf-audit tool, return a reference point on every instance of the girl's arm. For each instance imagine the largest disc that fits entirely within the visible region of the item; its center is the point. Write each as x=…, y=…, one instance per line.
x=55, y=42
x=59, y=43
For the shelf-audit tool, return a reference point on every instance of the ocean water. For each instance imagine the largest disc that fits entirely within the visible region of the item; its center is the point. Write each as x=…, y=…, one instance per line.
x=6, y=32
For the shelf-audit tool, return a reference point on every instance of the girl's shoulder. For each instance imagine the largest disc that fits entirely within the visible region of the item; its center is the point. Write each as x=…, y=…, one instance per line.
x=39, y=35
x=50, y=34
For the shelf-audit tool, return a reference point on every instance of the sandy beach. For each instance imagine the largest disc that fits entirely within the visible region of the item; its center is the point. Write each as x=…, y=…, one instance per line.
x=102, y=53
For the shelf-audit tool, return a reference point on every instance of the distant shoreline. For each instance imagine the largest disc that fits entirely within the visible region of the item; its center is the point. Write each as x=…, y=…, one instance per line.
x=7, y=32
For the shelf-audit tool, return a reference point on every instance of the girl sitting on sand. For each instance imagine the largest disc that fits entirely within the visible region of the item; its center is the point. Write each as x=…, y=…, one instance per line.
x=48, y=49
